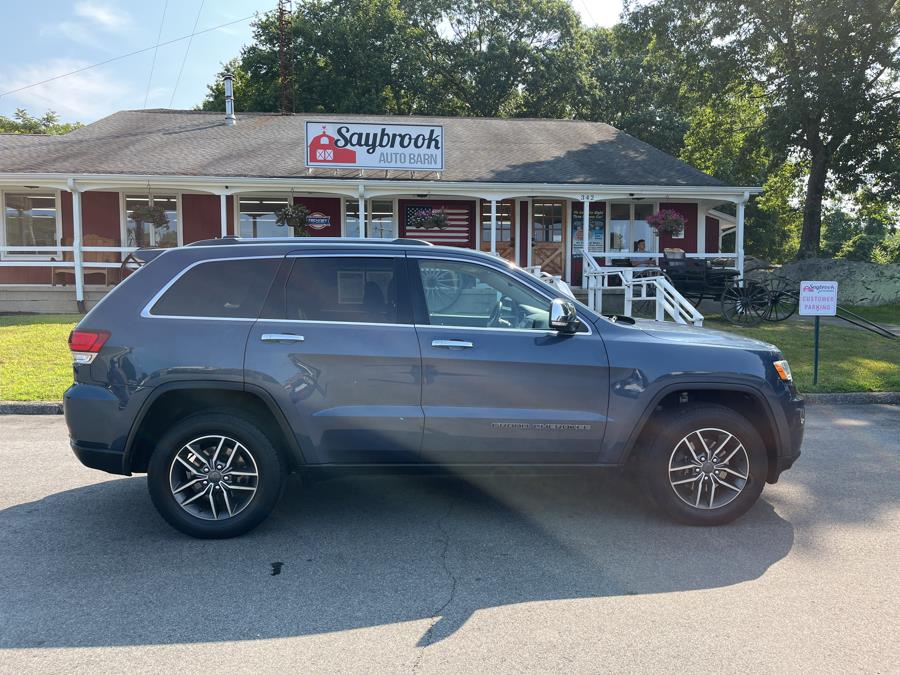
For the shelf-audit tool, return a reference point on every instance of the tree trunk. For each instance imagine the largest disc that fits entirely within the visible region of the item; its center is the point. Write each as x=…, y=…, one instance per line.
x=811, y=235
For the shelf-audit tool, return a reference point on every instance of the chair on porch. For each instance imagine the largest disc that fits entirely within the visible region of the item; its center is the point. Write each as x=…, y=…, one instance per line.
x=63, y=274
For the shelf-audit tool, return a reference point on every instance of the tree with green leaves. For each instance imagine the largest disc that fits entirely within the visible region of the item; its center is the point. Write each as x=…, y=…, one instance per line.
x=829, y=76
x=23, y=123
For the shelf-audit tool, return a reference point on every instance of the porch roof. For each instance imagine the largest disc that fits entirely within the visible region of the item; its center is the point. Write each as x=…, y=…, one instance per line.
x=263, y=145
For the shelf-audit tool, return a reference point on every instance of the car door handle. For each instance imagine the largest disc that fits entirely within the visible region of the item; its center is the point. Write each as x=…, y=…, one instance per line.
x=281, y=337
x=452, y=344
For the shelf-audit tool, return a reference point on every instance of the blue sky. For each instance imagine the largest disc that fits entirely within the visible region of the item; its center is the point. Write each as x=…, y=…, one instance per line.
x=65, y=36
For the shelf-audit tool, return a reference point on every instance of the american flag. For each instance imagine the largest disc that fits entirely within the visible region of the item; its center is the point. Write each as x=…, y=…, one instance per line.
x=455, y=233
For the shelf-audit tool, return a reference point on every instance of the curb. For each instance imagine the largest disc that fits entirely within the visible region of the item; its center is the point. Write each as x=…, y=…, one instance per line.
x=30, y=408
x=854, y=398
x=850, y=398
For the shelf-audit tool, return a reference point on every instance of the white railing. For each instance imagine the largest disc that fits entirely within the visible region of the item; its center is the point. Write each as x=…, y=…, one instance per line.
x=648, y=285
x=553, y=280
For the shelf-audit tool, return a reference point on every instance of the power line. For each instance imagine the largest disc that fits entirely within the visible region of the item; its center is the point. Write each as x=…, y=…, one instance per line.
x=186, y=50
x=162, y=21
x=125, y=56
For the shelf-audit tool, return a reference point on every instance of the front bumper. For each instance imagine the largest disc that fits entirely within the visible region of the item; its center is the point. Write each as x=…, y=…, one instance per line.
x=792, y=436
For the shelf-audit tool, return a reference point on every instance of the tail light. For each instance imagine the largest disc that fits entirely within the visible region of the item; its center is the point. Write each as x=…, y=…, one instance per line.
x=85, y=344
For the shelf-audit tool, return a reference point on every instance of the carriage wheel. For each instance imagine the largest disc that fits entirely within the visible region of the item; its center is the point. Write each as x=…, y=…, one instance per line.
x=745, y=304
x=783, y=301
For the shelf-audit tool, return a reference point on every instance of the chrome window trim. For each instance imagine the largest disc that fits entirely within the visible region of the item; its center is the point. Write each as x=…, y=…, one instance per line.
x=336, y=323
x=146, y=311
x=416, y=256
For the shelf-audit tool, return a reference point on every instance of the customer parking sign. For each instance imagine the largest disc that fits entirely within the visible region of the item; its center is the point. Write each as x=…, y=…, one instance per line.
x=818, y=298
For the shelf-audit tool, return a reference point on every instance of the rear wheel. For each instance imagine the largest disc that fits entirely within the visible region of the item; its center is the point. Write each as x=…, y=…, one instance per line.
x=704, y=465
x=214, y=475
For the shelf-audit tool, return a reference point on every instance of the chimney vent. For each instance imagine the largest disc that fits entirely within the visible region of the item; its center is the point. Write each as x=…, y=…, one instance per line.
x=230, y=119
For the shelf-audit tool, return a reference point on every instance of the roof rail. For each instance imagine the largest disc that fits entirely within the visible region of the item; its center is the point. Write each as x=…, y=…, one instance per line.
x=232, y=240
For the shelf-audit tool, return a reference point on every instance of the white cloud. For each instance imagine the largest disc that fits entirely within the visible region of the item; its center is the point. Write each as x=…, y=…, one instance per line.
x=82, y=97
x=92, y=18
x=104, y=16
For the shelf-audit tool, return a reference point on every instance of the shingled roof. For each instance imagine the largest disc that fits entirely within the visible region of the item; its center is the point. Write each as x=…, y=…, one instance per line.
x=194, y=143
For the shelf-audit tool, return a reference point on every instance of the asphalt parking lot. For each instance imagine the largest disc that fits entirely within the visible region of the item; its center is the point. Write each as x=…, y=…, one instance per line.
x=394, y=574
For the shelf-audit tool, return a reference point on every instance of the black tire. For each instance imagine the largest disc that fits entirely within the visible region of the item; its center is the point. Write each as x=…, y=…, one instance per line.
x=666, y=449
x=163, y=470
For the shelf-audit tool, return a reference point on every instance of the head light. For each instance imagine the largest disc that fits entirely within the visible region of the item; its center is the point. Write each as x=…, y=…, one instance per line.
x=783, y=370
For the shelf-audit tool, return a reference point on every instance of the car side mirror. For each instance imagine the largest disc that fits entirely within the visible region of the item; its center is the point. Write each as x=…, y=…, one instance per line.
x=563, y=317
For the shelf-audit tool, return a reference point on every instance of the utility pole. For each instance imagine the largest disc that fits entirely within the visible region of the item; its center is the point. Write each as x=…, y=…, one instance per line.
x=285, y=66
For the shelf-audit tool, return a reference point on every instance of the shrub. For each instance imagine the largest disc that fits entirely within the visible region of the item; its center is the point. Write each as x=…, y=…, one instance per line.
x=887, y=250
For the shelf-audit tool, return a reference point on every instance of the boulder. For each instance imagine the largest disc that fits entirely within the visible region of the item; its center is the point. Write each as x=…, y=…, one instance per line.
x=859, y=283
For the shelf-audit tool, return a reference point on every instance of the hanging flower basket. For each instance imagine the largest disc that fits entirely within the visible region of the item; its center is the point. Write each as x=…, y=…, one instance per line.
x=294, y=216
x=155, y=216
x=436, y=221
x=667, y=221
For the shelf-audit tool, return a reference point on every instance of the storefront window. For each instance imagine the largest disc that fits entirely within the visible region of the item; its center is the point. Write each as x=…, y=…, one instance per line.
x=141, y=231
x=257, y=217
x=30, y=220
x=548, y=221
x=504, y=221
x=628, y=226
x=379, y=213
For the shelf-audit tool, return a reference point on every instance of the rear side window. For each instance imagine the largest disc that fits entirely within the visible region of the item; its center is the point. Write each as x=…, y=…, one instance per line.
x=345, y=289
x=232, y=289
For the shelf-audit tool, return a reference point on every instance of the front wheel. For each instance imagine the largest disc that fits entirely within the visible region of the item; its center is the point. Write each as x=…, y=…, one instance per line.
x=705, y=465
x=214, y=475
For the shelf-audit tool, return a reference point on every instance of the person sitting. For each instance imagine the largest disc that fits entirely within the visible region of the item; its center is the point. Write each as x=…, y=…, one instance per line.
x=640, y=246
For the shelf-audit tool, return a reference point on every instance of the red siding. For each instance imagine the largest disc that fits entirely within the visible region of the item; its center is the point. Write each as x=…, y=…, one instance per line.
x=100, y=215
x=712, y=234
x=201, y=216
x=25, y=275
x=68, y=228
x=689, y=243
x=229, y=216
x=329, y=206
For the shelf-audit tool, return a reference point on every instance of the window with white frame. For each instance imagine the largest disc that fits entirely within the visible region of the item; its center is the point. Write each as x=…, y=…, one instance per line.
x=256, y=217
x=504, y=221
x=151, y=220
x=379, y=213
x=30, y=219
x=628, y=227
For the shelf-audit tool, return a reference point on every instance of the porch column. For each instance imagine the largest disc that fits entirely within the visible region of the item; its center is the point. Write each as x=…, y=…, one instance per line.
x=493, y=226
x=584, y=241
x=77, y=255
x=223, y=214
x=361, y=232
x=739, y=236
x=701, y=227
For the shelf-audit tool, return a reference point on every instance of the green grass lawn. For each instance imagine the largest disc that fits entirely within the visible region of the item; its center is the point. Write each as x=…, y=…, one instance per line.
x=850, y=359
x=882, y=314
x=35, y=364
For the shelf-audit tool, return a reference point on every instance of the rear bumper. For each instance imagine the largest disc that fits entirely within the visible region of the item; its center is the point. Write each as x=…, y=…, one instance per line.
x=111, y=461
x=99, y=422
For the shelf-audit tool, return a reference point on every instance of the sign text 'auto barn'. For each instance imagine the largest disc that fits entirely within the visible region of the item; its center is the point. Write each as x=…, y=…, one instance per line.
x=408, y=147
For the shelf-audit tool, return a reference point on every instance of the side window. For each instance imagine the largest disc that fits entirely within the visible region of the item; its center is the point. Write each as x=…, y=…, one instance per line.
x=475, y=296
x=233, y=289
x=352, y=289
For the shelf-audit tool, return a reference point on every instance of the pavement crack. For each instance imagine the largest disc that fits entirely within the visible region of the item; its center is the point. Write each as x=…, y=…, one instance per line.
x=428, y=638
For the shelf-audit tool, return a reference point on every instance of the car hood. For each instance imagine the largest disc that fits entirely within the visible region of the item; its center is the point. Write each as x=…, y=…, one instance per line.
x=676, y=332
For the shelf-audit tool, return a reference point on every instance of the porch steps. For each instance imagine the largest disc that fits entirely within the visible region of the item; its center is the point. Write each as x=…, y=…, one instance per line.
x=36, y=299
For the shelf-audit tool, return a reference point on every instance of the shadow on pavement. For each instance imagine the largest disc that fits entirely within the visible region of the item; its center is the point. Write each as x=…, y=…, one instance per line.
x=96, y=566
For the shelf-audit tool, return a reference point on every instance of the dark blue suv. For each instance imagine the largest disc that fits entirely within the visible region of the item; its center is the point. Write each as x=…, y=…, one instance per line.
x=220, y=367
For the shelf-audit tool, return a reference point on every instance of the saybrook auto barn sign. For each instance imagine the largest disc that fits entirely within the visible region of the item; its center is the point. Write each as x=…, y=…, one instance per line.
x=413, y=147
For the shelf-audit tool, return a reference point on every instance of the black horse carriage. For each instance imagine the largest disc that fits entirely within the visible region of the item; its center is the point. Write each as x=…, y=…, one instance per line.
x=744, y=302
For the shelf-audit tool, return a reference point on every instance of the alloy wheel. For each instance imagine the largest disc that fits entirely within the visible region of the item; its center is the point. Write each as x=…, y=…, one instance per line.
x=709, y=468
x=213, y=477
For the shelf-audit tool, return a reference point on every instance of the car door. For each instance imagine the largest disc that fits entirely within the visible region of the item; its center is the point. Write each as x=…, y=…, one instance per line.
x=336, y=347
x=498, y=385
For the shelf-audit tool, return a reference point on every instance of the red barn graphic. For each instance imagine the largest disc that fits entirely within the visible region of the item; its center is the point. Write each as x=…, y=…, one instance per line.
x=323, y=151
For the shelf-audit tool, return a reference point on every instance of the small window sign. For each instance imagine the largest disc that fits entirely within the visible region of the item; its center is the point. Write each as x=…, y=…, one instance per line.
x=818, y=298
